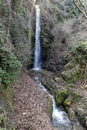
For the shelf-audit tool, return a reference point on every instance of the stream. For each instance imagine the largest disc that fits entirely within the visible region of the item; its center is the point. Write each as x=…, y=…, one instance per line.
x=60, y=119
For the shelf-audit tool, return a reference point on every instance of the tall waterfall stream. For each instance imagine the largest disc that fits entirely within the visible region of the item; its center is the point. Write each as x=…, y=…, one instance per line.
x=37, y=40
x=59, y=117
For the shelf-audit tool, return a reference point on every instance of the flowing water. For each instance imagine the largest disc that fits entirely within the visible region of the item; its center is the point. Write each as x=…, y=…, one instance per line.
x=59, y=117
x=37, y=41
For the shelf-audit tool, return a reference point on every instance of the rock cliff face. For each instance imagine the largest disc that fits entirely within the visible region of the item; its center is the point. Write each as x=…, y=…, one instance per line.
x=16, y=27
x=58, y=26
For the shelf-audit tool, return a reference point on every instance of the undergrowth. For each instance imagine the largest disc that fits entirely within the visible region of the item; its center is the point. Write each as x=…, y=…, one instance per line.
x=9, y=67
x=5, y=123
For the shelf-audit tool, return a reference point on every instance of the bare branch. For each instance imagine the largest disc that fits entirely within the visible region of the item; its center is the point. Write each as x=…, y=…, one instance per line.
x=83, y=6
x=83, y=12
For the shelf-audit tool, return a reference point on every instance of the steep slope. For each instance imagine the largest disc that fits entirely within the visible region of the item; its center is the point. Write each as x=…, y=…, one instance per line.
x=30, y=104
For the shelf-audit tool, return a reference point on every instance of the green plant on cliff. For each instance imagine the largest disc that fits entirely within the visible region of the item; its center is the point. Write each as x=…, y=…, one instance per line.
x=49, y=109
x=9, y=67
x=76, y=68
x=5, y=123
x=60, y=96
x=3, y=8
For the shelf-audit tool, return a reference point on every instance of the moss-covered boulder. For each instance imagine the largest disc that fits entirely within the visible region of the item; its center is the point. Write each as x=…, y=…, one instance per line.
x=49, y=84
x=77, y=66
x=72, y=74
x=67, y=102
x=49, y=109
x=60, y=96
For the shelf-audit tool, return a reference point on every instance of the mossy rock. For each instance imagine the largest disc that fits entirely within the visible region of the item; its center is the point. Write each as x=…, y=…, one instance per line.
x=49, y=109
x=74, y=69
x=60, y=96
x=67, y=102
x=72, y=74
x=49, y=85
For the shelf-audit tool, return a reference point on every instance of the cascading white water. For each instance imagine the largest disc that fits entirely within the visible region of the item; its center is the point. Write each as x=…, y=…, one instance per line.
x=59, y=117
x=37, y=40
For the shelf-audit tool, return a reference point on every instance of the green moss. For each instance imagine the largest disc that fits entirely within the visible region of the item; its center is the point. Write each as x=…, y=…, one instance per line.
x=72, y=74
x=75, y=68
x=50, y=85
x=49, y=109
x=60, y=96
x=67, y=102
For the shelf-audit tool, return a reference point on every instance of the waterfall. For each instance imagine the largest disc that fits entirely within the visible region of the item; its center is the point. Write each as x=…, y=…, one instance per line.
x=37, y=40
x=59, y=117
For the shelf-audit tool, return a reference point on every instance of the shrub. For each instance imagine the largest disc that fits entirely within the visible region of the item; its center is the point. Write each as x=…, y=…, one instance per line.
x=9, y=67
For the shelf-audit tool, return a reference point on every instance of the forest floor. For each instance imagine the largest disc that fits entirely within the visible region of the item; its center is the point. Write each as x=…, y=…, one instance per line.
x=30, y=104
x=29, y=108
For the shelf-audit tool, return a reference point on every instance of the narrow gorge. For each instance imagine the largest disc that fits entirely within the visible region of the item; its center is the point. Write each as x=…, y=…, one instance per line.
x=43, y=65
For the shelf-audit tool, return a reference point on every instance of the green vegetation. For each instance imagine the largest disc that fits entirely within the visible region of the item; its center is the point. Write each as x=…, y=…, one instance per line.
x=5, y=123
x=76, y=97
x=3, y=8
x=80, y=117
x=9, y=96
x=76, y=68
x=67, y=102
x=9, y=68
x=6, y=94
x=60, y=96
x=49, y=109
